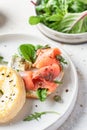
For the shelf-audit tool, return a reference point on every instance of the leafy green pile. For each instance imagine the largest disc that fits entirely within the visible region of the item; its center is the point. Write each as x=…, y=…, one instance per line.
x=67, y=16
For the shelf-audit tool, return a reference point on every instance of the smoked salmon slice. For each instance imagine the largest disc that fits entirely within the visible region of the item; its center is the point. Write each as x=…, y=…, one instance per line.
x=42, y=78
x=27, y=77
x=46, y=57
x=49, y=73
x=41, y=83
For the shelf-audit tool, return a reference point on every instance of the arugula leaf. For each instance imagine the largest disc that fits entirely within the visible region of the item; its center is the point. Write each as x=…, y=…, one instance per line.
x=42, y=93
x=38, y=115
x=41, y=47
x=27, y=51
x=58, y=82
x=61, y=59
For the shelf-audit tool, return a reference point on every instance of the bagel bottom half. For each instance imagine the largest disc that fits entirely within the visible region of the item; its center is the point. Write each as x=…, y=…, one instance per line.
x=12, y=94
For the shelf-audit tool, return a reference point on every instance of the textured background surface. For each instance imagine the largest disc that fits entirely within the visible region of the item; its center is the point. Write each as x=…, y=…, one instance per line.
x=14, y=16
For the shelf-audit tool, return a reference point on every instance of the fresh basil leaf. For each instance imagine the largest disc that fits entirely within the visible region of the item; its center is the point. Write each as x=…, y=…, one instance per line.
x=42, y=93
x=27, y=51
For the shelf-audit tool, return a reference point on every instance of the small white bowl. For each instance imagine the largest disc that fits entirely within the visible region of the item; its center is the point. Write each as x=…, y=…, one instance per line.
x=63, y=37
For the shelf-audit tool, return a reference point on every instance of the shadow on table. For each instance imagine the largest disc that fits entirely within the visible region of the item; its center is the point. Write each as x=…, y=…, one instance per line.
x=3, y=19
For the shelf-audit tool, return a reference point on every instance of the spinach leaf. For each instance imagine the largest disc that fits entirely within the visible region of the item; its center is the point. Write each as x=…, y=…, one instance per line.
x=42, y=93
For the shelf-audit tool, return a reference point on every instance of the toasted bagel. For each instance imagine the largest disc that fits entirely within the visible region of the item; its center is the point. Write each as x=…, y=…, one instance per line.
x=13, y=95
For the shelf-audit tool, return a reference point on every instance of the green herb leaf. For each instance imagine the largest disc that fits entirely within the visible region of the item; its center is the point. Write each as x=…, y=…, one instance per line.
x=46, y=46
x=41, y=47
x=42, y=93
x=58, y=82
x=38, y=115
x=61, y=59
x=34, y=20
x=1, y=58
x=27, y=51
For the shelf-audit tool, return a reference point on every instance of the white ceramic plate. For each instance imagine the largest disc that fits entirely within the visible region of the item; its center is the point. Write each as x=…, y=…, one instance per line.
x=8, y=46
x=63, y=37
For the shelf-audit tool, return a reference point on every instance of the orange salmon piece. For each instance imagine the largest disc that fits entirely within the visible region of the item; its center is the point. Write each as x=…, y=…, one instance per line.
x=49, y=73
x=46, y=57
x=41, y=83
x=27, y=77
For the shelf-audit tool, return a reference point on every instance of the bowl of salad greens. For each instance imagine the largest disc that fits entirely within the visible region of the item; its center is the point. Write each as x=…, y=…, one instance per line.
x=62, y=20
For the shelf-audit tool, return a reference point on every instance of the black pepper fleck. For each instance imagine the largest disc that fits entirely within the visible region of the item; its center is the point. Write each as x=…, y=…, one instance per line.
x=2, y=74
x=2, y=101
x=81, y=105
x=36, y=105
x=13, y=94
x=67, y=90
x=8, y=76
x=10, y=81
x=10, y=98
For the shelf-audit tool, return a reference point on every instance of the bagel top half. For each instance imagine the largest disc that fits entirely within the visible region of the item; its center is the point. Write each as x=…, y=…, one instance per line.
x=12, y=94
